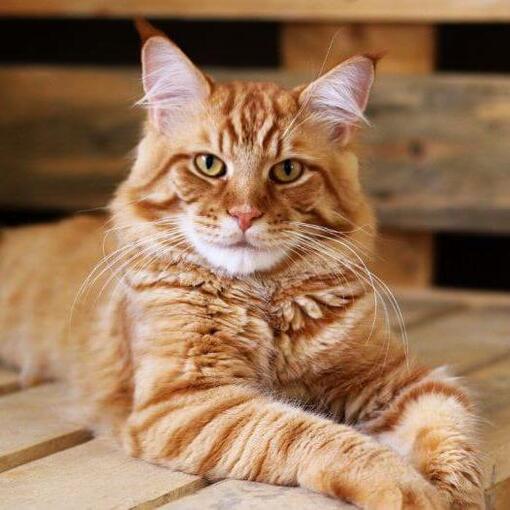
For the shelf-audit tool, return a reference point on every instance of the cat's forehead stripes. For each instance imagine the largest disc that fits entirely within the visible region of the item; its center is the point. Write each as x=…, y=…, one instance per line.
x=252, y=115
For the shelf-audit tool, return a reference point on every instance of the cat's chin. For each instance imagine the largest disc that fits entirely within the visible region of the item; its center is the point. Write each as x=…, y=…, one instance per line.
x=238, y=259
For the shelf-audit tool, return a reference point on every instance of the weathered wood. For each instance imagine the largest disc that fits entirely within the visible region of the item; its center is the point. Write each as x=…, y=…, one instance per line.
x=404, y=259
x=465, y=340
x=326, y=10
x=437, y=143
x=491, y=385
x=418, y=312
x=498, y=470
x=8, y=381
x=455, y=297
x=96, y=476
x=31, y=426
x=437, y=161
x=237, y=495
x=408, y=49
x=71, y=140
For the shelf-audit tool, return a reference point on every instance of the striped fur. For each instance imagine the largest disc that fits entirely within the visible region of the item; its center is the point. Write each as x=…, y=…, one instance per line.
x=285, y=376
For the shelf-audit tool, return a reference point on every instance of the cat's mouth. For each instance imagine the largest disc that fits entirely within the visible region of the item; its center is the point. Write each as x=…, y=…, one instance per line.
x=243, y=244
x=235, y=253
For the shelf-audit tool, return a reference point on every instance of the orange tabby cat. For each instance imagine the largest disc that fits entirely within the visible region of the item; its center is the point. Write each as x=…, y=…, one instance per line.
x=240, y=336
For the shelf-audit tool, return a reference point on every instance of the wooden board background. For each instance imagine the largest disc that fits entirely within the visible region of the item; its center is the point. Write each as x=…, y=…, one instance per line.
x=316, y=10
x=438, y=155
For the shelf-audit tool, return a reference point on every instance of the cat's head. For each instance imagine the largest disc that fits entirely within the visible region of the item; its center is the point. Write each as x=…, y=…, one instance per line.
x=243, y=176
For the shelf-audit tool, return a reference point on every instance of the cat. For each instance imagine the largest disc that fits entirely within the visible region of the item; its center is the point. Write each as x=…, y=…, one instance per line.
x=232, y=330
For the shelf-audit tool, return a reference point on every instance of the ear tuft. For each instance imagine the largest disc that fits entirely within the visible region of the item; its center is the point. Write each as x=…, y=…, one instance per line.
x=171, y=82
x=375, y=57
x=146, y=30
x=339, y=97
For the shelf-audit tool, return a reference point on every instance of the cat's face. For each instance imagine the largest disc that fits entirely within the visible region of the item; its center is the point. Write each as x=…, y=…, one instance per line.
x=241, y=173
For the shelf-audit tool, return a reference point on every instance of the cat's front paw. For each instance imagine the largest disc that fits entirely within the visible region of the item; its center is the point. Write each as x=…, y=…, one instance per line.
x=453, y=466
x=461, y=494
x=403, y=496
x=412, y=493
x=373, y=478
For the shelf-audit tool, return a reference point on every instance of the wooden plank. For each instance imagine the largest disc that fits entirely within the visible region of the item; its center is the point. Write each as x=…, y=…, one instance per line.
x=408, y=49
x=427, y=169
x=465, y=340
x=8, y=381
x=79, y=137
x=326, y=10
x=491, y=385
x=31, y=426
x=238, y=495
x=498, y=469
x=437, y=155
x=96, y=476
x=449, y=296
x=420, y=312
x=404, y=259
x=419, y=306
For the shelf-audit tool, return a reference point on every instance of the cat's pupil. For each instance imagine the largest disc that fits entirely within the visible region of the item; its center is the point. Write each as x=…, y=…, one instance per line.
x=287, y=167
x=209, y=160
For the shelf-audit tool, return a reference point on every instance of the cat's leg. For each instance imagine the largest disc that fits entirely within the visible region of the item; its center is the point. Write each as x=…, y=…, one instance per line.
x=427, y=417
x=432, y=423
x=221, y=427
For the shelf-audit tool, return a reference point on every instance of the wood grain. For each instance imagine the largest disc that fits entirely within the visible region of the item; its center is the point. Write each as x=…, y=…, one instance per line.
x=416, y=313
x=407, y=49
x=436, y=143
x=404, y=259
x=325, y=10
x=96, y=476
x=31, y=426
x=454, y=297
x=237, y=495
x=437, y=159
x=491, y=385
x=467, y=340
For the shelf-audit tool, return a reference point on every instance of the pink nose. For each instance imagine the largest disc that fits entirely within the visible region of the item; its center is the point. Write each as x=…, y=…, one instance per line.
x=245, y=215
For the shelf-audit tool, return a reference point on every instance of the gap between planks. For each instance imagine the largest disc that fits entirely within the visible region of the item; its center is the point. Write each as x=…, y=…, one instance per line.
x=31, y=426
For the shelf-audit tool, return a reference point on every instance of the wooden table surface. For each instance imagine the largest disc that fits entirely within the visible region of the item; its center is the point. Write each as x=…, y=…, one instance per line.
x=47, y=462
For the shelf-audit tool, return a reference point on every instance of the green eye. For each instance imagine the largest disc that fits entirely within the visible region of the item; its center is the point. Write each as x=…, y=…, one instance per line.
x=210, y=165
x=286, y=171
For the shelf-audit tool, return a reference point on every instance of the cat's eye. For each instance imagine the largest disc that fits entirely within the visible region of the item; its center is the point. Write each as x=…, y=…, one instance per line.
x=286, y=171
x=210, y=165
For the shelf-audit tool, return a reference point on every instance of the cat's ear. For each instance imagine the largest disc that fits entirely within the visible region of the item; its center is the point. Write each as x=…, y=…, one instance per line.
x=339, y=97
x=171, y=82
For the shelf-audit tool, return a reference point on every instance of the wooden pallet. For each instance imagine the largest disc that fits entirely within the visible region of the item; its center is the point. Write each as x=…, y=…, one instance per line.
x=317, y=10
x=48, y=462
